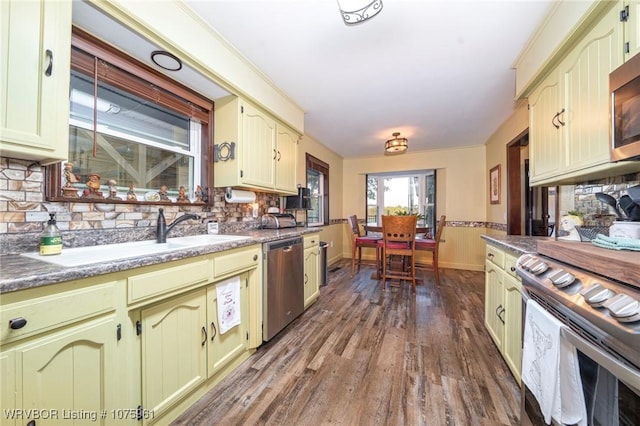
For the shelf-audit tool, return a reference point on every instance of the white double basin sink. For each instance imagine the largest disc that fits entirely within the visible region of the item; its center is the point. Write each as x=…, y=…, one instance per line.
x=80, y=256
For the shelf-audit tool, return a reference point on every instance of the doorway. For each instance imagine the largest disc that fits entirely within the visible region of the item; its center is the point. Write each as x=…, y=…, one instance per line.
x=527, y=207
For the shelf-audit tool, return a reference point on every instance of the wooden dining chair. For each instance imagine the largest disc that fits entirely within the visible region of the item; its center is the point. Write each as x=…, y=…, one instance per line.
x=432, y=245
x=399, y=237
x=358, y=241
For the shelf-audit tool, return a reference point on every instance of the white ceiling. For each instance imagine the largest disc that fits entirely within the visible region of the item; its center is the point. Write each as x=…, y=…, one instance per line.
x=438, y=71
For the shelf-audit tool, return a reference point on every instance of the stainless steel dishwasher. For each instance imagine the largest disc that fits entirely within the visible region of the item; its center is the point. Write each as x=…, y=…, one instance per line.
x=283, y=285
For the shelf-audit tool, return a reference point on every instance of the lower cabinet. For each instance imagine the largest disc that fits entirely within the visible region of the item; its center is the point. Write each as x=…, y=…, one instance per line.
x=60, y=366
x=174, y=350
x=503, y=307
x=116, y=349
x=311, y=269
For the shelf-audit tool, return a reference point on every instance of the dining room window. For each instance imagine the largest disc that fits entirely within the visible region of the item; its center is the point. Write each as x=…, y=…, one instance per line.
x=402, y=193
x=318, y=185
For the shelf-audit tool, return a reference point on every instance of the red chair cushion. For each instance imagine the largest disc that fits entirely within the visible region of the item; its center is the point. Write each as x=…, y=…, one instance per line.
x=393, y=245
x=367, y=241
x=425, y=244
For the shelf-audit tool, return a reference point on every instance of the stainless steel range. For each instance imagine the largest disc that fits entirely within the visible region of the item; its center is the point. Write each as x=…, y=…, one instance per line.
x=596, y=293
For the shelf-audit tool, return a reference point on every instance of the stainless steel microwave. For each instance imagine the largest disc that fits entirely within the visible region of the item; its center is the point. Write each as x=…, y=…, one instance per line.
x=624, y=83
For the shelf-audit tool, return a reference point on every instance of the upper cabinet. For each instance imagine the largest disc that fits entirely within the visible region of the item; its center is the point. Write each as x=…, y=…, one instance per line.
x=252, y=149
x=630, y=16
x=34, y=91
x=569, y=111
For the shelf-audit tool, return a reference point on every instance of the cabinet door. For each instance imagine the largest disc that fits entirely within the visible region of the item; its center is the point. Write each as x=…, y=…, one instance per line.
x=585, y=74
x=258, y=151
x=226, y=347
x=512, y=344
x=71, y=370
x=545, y=135
x=173, y=350
x=493, y=303
x=286, y=160
x=8, y=397
x=311, y=276
x=34, y=79
x=632, y=29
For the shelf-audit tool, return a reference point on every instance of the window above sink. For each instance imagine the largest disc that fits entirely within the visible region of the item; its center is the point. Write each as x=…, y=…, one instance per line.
x=141, y=136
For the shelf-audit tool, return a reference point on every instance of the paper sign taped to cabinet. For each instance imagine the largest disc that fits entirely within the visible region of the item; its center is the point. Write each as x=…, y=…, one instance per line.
x=228, y=293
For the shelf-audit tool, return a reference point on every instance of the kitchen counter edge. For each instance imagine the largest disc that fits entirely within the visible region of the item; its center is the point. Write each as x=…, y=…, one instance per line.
x=19, y=272
x=516, y=245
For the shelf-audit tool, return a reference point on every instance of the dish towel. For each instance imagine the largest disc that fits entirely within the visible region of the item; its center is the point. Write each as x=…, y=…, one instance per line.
x=228, y=292
x=616, y=243
x=550, y=368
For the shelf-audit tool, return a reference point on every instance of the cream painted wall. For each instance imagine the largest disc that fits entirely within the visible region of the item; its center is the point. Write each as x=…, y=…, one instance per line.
x=496, y=150
x=461, y=176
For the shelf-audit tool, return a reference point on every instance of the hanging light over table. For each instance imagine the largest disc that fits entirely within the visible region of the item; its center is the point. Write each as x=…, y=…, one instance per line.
x=396, y=144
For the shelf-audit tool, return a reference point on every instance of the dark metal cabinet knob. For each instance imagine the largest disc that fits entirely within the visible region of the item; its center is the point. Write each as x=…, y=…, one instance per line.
x=17, y=323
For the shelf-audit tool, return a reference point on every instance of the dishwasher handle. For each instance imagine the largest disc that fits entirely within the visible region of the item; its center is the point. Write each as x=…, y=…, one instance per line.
x=286, y=245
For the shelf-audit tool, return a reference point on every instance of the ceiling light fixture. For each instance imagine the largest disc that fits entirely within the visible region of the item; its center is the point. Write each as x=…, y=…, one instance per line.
x=357, y=11
x=396, y=145
x=166, y=60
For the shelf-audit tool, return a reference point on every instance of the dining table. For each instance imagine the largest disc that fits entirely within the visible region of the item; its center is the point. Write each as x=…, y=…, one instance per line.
x=420, y=230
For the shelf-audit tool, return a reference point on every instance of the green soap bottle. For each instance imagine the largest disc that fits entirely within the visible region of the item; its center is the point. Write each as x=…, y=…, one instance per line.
x=51, y=238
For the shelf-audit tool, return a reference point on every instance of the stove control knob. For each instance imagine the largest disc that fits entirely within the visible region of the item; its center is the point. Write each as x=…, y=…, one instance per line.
x=561, y=278
x=524, y=259
x=538, y=267
x=597, y=294
x=623, y=307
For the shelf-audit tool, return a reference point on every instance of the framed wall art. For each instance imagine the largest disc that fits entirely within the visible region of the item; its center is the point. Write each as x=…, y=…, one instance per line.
x=494, y=185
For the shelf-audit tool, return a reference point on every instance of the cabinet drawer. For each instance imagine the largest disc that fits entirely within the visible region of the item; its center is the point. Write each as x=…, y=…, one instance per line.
x=236, y=261
x=311, y=240
x=510, y=265
x=56, y=310
x=168, y=280
x=496, y=256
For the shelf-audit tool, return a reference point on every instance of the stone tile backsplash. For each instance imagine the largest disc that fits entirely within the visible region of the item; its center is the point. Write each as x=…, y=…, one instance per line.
x=24, y=212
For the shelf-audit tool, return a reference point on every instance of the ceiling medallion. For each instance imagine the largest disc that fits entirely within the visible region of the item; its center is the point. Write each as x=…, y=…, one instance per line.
x=357, y=11
x=166, y=60
x=396, y=145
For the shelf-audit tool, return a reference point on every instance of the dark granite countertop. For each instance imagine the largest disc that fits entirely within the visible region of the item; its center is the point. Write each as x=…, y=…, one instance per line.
x=19, y=272
x=516, y=245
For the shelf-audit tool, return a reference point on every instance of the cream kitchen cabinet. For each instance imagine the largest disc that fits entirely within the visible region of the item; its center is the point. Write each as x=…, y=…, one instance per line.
x=503, y=307
x=139, y=345
x=286, y=159
x=225, y=347
x=174, y=350
x=61, y=353
x=311, y=269
x=630, y=16
x=545, y=148
x=252, y=150
x=182, y=348
x=569, y=110
x=34, y=79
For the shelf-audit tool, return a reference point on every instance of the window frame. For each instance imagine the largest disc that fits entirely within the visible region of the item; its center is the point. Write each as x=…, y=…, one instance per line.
x=121, y=70
x=313, y=163
x=422, y=176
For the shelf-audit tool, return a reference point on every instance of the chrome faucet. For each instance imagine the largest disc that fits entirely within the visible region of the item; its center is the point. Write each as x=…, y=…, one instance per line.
x=162, y=229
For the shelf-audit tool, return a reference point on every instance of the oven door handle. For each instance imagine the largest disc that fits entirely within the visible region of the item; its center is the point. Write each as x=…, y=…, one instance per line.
x=622, y=372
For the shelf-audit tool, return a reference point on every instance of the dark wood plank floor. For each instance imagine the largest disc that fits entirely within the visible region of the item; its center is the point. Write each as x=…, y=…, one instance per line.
x=361, y=356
